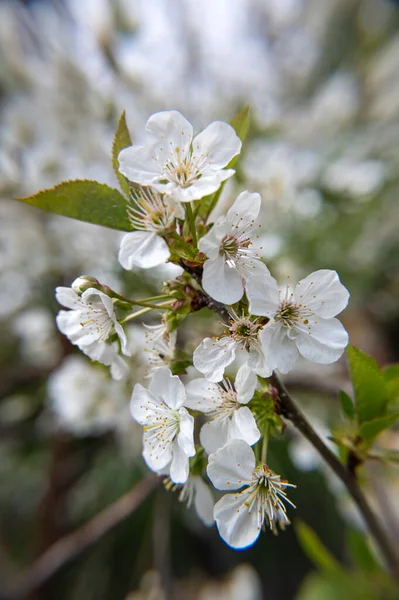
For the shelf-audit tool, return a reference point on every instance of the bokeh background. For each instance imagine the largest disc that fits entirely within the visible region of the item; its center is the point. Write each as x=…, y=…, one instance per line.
x=322, y=81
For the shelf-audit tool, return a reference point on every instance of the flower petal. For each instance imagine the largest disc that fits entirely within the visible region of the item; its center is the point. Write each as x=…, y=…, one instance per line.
x=209, y=244
x=213, y=356
x=179, y=468
x=202, y=395
x=203, y=501
x=144, y=406
x=67, y=297
x=222, y=282
x=168, y=387
x=143, y=249
x=137, y=164
x=238, y=526
x=245, y=384
x=217, y=144
x=323, y=293
x=169, y=130
x=325, y=342
x=185, y=437
x=245, y=208
x=156, y=454
x=214, y=435
x=243, y=426
x=263, y=296
x=207, y=184
x=280, y=351
x=232, y=466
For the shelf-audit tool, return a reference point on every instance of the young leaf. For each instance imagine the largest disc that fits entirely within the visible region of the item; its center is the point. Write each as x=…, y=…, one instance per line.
x=360, y=552
x=84, y=200
x=370, y=429
x=347, y=405
x=314, y=549
x=121, y=140
x=369, y=385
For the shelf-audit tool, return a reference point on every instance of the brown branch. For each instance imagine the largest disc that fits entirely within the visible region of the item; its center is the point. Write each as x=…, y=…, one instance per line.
x=288, y=409
x=73, y=544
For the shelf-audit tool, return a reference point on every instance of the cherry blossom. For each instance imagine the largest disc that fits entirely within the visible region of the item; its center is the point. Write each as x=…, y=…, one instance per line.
x=90, y=323
x=301, y=319
x=241, y=516
x=195, y=491
x=151, y=214
x=213, y=355
x=228, y=248
x=168, y=427
x=172, y=161
x=225, y=404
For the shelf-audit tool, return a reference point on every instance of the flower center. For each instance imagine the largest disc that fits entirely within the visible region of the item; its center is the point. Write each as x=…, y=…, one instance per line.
x=288, y=313
x=150, y=211
x=245, y=332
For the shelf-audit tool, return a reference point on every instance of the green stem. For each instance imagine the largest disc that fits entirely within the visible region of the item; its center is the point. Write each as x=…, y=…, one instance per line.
x=265, y=443
x=191, y=222
x=149, y=305
x=136, y=314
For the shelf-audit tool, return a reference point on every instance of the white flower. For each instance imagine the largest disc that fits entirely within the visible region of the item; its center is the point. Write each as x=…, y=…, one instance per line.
x=172, y=161
x=301, y=321
x=241, y=516
x=196, y=491
x=227, y=246
x=150, y=214
x=224, y=403
x=161, y=345
x=90, y=323
x=168, y=427
x=212, y=356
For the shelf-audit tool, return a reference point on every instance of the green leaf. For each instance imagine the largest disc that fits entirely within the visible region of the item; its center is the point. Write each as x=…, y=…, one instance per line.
x=384, y=455
x=390, y=372
x=347, y=405
x=121, y=140
x=84, y=200
x=360, y=551
x=369, y=385
x=240, y=123
x=314, y=548
x=370, y=429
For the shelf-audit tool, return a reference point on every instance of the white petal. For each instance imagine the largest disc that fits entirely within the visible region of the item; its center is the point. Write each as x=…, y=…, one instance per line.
x=185, y=437
x=219, y=143
x=214, y=435
x=245, y=383
x=122, y=336
x=179, y=467
x=168, y=387
x=232, y=466
x=262, y=294
x=137, y=164
x=157, y=455
x=243, y=426
x=213, y=356
x=67, y=297
x=280, y=351
x=209, y=244
x=257, y=362
x=252, y=268
x=221, y=282
x=237, y=526
x=203, y=501
x=169, y=130
x=99, y=300
x=207, y=184
x=323, y=293
x=143, y=249
x=144, y=406
x=118, y=368
x=246, y=208
x=325, y=343
x=107, y=354
x=202, y=395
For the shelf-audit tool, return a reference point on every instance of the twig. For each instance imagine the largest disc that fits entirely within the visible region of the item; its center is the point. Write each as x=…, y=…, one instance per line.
x=288, y=408
x=73, y=544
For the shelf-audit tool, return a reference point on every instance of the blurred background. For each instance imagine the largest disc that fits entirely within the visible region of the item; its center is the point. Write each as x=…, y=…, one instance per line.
x=322, y=81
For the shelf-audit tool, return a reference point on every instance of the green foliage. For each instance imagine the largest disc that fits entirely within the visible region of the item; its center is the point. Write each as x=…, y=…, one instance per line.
x=370, y=429
x=347, y=405
x=360, y=552
x=314, y=548
x=368, y=384
x=240, y=123
x=121, y=140
x=262, y=406
x=84, y=200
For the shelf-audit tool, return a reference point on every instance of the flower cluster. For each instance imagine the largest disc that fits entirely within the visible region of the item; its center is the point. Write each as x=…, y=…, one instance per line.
x=174, y=182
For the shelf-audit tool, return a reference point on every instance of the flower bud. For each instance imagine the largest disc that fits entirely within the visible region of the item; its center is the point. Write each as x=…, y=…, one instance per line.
x=84, y=282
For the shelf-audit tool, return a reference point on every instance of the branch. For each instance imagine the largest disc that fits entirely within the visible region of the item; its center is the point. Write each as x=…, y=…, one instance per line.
x=73, y=544
x=288, y=408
